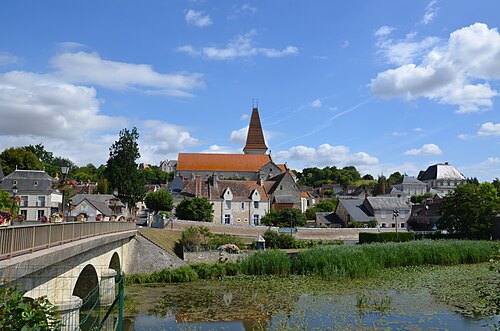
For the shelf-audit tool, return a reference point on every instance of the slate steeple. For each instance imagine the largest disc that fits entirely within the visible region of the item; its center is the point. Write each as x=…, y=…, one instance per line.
x=255, y=139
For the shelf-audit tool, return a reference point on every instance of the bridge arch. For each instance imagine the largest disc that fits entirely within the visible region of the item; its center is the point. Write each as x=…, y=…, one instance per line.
x=115, y=263
x=87, y=287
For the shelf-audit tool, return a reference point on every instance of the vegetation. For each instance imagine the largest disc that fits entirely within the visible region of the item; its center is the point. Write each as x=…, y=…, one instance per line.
x=19, y=313
x=121, y=169
x=272, y=262
x=469, y=210
x=159, y=200
x=200, y=237
x=180, y=275
x=287, y=218
x=164, y=239
x=19, y=158
x=322, y=206
x=316, y=177
x=382, y=237
x=418, y=198
x=154, y=175
x=195, y=209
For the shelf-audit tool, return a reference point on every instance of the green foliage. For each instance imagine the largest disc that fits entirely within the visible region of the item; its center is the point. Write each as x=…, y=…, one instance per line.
x=195, y=236
x=381, y=187
x=469, y=210
x=290, y=217
x=381, y=237
x=355, y=224
x=372, y=223
x=419, y=223
x=217, y=240
x=217, y=270
x=316, y=177
x=395, y=178
x=19, y=313
x=419, y=197
x=154, y=175
x=5, y=201
x=182, y=274
x=355, y=261
x=20, y=158
x=121, y=169
x=159, y=200
x=322, y=206
x=367, y=177
x=270, y=262
x=195, y=209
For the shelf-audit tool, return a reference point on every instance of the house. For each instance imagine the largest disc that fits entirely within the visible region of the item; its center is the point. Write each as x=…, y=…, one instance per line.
x=105, y=207
x=374, y=208
x=442, y=178
x=1, y=174
x=168, y=165
x=411, y=186
x=427, y=211
x=38, y=199
x=283, y=192
x=307, y=200
x=328, y=219
x=238, y=202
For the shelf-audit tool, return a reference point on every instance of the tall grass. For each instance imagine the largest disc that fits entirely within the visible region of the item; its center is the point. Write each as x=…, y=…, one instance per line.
x=271, y=262
x=182, y=274
x=365, y=260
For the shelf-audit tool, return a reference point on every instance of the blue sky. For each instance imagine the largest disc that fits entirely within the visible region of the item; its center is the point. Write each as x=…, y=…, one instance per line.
x=382, y=85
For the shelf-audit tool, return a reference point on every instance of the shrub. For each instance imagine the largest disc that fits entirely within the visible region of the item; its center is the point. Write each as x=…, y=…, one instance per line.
x=366, y=237
x=223, y=239
x=355, y=224
x=271, y=262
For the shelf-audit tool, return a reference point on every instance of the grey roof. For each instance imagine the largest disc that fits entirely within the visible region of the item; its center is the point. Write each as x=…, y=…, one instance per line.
x=387, y=203
x=441, y=171
x=100, y=206
x=327, y=218
x=98, y=198
x=25, y=181
x=412, y=180
x=284, y=199
x=1, y=173
x=356, y=209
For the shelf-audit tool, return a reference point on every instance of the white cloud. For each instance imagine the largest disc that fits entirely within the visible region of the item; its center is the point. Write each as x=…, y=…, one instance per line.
x=245, y=9
x=164, y=138
x=452, y=72
x=316, y=103
x=239, y=137
x=325, y=154
x=7, y=58
x=489, y=129
x=216, y=149
x=486, y=170
x=418, y=130
x=240, y=47
x=90, y=68
x=430, y=12
x=405, y=51
x=399, y=133
x=384, y=31
x=426, y=149
x=244, y=117
x=464, y=136
x=198, y=18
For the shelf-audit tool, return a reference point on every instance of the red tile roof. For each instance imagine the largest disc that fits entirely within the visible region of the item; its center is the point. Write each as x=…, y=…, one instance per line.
x=222, y=162
x=255, y=137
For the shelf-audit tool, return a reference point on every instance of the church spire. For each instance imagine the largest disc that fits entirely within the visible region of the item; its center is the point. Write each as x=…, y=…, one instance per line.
x=255, y=138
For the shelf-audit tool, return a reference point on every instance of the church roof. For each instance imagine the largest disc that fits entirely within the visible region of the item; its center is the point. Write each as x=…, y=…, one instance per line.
x=255, y=137
x=441, y=171
x=222, y=162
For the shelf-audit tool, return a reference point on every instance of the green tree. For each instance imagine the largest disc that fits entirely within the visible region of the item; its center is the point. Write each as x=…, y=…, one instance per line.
x=19, y=313
x=159, y=200
x=195, y=209
x=154, y=175
x=290, y=217
x=121, y=168
x=381, y=186
x=395, y=178
x=468, y=210
x=496, y=184
x=19, y=158
x=40, y=152
x=367, y=177
x=322, y=206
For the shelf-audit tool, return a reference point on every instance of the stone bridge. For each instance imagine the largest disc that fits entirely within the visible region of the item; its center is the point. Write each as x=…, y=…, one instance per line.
x=67, y=262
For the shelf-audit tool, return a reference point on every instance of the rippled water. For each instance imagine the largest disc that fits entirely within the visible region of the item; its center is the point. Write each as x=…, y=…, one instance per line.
x=294, y=304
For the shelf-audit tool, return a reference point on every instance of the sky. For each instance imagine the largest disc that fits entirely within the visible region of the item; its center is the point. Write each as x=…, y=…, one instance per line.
x=384, y=86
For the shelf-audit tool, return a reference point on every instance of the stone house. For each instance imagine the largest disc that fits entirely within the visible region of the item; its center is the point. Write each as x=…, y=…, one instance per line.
x=238, y=202
x=38, y=198
x=283, y=192
x=411, y=186
x=168, y=165
x=442, y=178
x=104, y=207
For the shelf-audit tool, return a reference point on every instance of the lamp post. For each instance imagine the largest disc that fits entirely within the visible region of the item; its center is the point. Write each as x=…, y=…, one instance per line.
x=14, y=201
x=64, y=171
x=395, y=215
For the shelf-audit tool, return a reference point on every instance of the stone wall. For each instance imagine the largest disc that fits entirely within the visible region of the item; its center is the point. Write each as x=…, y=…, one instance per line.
x=210, y=257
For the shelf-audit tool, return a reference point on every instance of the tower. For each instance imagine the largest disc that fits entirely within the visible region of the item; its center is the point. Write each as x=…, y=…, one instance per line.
x=255, y=139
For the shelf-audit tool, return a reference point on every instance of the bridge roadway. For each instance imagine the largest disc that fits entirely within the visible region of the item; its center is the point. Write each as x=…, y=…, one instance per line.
x=66, y=261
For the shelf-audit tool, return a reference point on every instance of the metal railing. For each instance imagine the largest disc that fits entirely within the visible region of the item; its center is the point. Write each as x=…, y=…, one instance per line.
x=18, y=240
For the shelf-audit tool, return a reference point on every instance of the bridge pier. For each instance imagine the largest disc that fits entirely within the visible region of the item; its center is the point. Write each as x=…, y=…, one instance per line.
x=69, y=311
x=107, y=295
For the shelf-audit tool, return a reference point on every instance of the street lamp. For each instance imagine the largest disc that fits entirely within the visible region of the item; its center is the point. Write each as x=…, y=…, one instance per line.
x=14, y=200
x=395, y=215
x=64, y=171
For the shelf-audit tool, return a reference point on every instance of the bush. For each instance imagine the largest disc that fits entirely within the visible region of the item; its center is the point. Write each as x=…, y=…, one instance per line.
x=223, y=239
x=367, y=237
x=195, y=209
x=355, y=224
x=290, y=217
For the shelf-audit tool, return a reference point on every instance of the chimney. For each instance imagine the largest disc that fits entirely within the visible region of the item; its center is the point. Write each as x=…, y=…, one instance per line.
x=198, y=186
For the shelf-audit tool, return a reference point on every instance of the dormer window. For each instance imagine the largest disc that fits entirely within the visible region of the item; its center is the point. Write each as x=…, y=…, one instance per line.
x=14, y=182
x=35, y=183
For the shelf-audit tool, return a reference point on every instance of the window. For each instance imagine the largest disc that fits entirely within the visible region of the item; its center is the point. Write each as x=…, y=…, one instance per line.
x=256, y=204
x=227, y=219
x=238, y=220
x=228, y=204
x=402, y=224
x=281, y=187
x=246, y=220
x=242, y=206
x=402, y=214
x=256, y=219
x=393, y=225
x=40, y=214
x=24, y=212
x=14, y=182
x=384, y=225
x=35, y=183
x=24, y=201
x=40, y=202
x=383, y=214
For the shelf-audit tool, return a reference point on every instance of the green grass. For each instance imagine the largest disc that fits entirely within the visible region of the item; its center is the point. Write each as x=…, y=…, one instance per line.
x=164, y=238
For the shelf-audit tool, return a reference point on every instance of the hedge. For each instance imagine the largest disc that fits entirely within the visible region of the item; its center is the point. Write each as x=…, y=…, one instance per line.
x=368, y=237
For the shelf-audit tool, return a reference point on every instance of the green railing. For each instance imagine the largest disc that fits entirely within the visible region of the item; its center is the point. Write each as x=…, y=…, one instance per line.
x=24, y=239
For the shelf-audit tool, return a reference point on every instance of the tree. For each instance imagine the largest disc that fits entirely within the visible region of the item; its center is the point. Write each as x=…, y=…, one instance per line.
x=20, y=313
x=496, y=184
x=367, y=177
x=19, y=158
x=159, y=200
x=419, y=197
x=195, y=209
x=154, y=175
x=394, y=178
x=322, y=206
x=381, y=186
x=40, y=152
x=121, y=168
x=468, y=210
x=290, y=217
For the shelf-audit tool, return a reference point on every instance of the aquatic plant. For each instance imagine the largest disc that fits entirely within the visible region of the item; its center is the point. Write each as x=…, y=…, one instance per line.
x=271, y=262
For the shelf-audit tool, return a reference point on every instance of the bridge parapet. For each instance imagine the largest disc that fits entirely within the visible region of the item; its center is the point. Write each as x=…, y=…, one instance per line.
x=15, y=241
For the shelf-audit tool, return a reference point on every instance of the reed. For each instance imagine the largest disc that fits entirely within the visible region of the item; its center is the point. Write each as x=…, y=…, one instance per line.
x=271, y=262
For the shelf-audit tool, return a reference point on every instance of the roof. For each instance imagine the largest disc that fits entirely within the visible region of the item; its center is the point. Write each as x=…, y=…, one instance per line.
x=100, y=206
x=387, y=203
x=411, y=180
x=222, y=162
x=1, y=173
x=327, y=217
x=255, y=136
x=441, y=171
x=241, y=189
x=99, y=198
x=25, y=181
x=305, y=195
x=356, y=209
x=284, y=199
